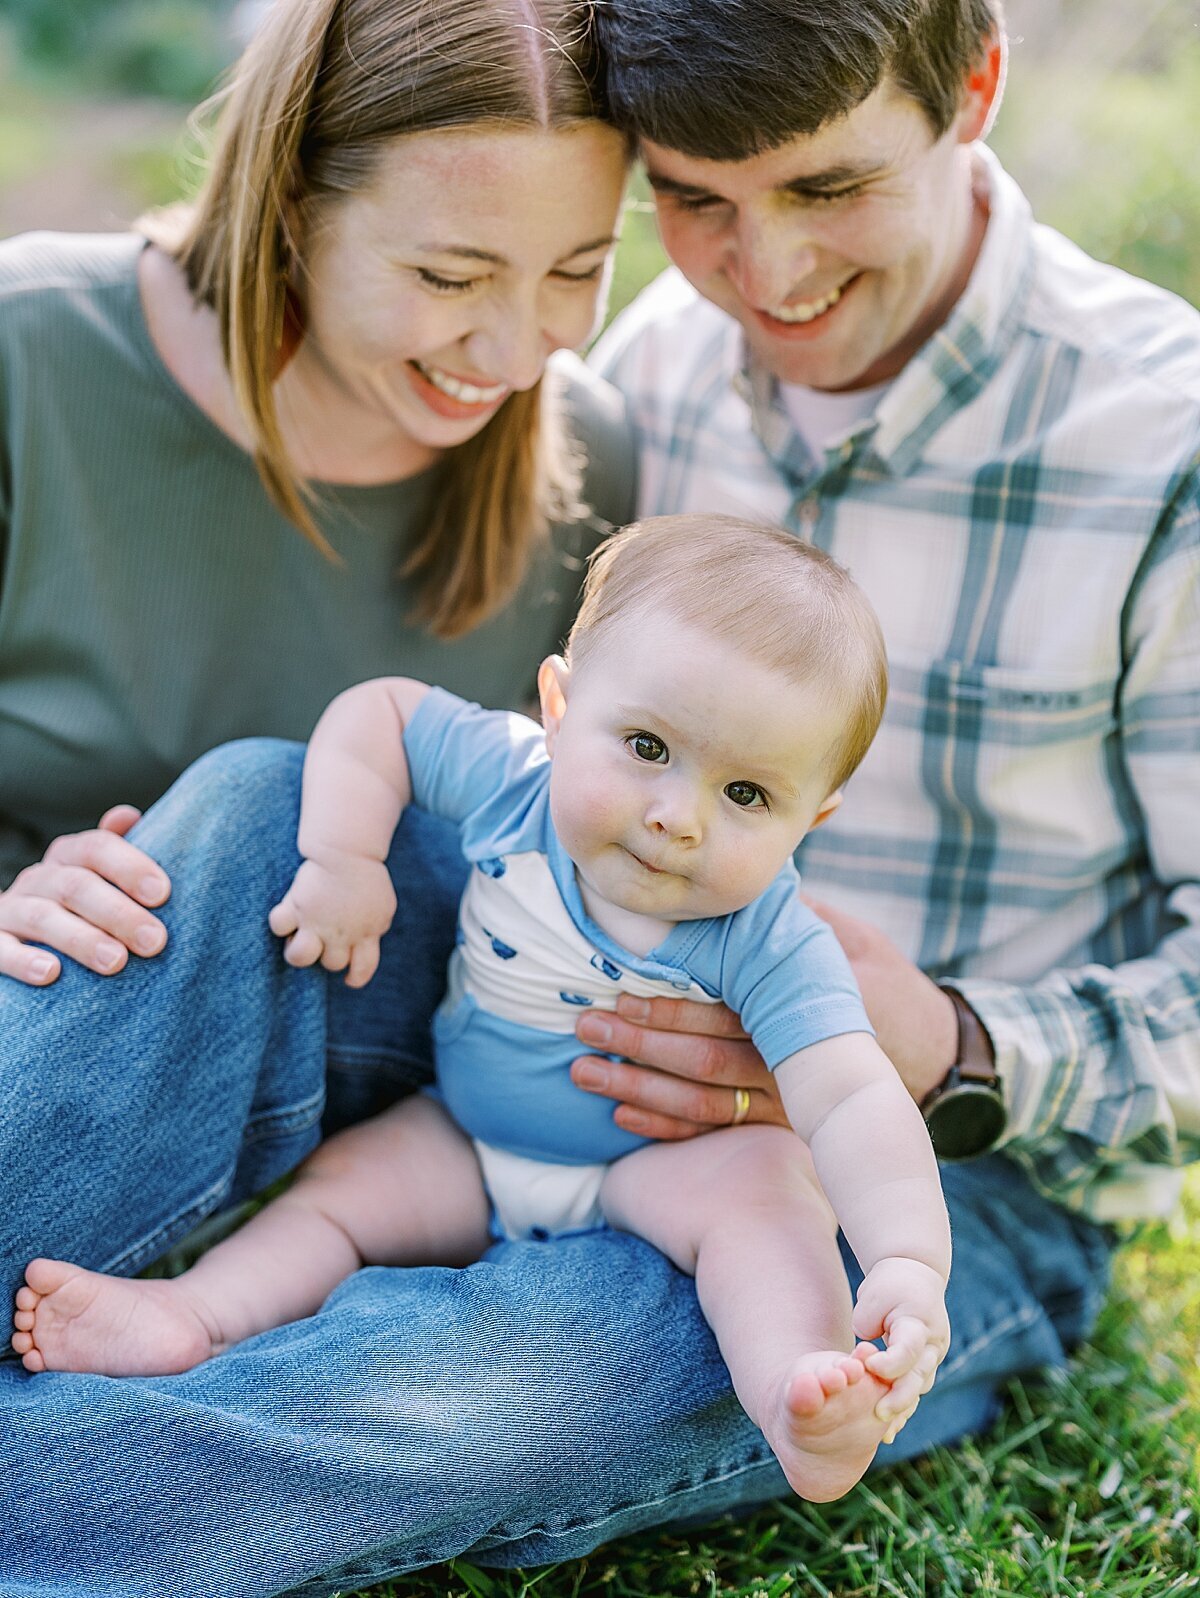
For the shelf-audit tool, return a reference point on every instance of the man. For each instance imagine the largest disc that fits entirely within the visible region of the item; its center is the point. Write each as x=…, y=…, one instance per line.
x=1000, y=438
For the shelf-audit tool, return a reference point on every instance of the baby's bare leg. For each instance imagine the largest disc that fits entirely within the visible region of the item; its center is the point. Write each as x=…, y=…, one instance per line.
x=402, y=1189
x=743, y=1212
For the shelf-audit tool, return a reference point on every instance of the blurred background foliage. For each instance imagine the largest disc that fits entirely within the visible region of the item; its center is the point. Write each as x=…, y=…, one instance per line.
x=1099, y=123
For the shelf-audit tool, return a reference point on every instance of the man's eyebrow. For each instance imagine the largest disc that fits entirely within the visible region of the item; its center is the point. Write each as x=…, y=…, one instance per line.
x=834, y=177
x=468, y=252
x=681, y=191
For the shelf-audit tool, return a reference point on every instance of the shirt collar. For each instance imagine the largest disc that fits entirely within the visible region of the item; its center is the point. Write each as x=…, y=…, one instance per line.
x=950, y=369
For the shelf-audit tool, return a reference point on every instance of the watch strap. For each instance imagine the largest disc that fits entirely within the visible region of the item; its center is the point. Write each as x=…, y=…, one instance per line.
x=975, y=1060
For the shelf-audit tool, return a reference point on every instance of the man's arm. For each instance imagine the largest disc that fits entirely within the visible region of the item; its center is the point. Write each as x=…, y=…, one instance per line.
x=1100, y=1064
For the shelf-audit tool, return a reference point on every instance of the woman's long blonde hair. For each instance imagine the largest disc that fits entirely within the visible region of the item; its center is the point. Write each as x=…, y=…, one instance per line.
x=321, y=90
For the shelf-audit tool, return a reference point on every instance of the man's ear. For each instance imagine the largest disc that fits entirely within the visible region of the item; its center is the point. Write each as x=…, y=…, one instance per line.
x=828, y=806
x=554, y=676
x=983, y=91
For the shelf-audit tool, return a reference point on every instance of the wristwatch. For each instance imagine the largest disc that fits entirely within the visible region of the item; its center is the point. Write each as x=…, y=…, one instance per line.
x=965, y=1113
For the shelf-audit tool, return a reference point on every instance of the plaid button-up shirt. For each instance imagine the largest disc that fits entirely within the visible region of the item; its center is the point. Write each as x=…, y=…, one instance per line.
x=1023, y=510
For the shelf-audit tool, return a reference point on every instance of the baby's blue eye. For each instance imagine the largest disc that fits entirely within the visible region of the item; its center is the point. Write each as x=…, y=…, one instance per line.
x=746, y=794
x=647, y=747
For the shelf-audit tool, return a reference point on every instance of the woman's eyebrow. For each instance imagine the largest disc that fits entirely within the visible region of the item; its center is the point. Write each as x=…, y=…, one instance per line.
x=469, y=252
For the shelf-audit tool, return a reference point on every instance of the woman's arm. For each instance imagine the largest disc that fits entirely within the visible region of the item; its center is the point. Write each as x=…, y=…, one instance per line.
x=356, y=784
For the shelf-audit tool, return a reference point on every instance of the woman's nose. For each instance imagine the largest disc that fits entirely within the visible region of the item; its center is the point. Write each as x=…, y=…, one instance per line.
x=513, y=350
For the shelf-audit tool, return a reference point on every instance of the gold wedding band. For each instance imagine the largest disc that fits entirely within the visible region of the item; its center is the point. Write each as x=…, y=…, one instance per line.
x=741, y=1106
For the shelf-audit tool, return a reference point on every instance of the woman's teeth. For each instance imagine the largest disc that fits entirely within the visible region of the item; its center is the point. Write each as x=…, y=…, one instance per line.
x=467, y=393
x=807, y=309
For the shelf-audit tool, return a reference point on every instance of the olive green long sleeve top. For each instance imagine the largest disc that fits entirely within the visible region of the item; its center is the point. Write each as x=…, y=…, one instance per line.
x=154, y=603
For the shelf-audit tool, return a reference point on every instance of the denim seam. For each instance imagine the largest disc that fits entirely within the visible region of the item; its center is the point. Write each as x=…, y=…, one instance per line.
x=295, y=1118
x=422, y=1558
x=155, y=1243
x=1020, y=1320
x=358, y=1057
x=765, y=1460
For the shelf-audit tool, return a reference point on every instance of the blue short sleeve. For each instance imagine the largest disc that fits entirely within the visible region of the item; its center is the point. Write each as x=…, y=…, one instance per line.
x=487, y=770
x=780, y=967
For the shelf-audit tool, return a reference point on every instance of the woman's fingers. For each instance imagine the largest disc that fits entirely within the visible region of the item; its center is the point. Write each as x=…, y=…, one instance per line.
x=38, y=920
x=109, y=855
x=119, y=819
x=79, y=914
x=21, y=961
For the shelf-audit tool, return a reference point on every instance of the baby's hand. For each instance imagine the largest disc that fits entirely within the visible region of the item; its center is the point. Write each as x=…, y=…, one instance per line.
x=904, y=1302
x=336, y=911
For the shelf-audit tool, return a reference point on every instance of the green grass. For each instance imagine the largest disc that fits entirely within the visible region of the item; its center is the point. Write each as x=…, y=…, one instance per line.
x=1087, y=1486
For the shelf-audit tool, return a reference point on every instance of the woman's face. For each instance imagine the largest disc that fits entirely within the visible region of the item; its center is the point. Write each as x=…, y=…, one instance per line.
x=446, y=284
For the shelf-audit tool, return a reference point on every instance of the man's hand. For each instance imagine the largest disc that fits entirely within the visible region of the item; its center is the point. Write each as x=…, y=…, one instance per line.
x=86, y=898
x=915, y=1022
x=681, y=1068
x=336, y=911
x=687, y=1060
x=904, y=1302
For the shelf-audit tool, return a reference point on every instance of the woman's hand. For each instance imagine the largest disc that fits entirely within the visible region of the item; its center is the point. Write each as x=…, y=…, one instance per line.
x=85, y=898
x=693, y=1068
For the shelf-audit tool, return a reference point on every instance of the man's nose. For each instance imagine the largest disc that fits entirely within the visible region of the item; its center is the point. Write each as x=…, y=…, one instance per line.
x=770, y=255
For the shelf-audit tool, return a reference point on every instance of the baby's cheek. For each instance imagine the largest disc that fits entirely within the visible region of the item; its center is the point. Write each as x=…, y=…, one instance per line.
x=583, y=818
x=748, y=867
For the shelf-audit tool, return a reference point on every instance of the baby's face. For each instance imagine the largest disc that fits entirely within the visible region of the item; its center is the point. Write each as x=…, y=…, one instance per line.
x=684, y=773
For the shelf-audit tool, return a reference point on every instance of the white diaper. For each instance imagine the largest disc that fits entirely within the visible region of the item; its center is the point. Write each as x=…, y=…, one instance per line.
x=532, y=1198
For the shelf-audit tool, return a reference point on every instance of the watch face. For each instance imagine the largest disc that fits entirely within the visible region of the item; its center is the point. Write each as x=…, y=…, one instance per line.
x=965, y=1121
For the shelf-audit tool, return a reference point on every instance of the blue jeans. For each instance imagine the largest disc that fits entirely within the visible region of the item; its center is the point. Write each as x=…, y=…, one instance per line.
x=522, y=1411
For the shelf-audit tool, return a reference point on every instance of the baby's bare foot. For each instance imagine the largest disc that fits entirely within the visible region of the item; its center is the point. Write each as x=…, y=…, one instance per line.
x=825, y=1431
x=69, y=1319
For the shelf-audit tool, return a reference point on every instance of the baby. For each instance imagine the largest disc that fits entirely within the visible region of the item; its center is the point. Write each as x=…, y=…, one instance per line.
x=720, y=685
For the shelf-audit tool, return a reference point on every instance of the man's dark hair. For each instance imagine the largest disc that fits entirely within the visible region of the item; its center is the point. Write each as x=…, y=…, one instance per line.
x=722, y=80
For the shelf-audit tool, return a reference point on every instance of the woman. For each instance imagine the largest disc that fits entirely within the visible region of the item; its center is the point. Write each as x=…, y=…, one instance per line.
x=219, y=448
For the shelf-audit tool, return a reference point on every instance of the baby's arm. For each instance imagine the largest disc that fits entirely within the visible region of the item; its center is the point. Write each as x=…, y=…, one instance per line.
x=876, y=1165
x=356, y=784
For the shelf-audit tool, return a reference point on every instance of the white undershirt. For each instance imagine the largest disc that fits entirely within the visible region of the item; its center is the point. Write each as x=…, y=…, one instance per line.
x=822, y=418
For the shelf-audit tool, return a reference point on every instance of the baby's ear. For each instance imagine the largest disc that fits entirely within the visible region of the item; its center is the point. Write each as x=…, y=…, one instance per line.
x=554, y=676
x=828, y=806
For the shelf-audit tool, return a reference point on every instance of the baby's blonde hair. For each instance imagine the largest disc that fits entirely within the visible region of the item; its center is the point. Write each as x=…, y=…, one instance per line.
x=788, y=604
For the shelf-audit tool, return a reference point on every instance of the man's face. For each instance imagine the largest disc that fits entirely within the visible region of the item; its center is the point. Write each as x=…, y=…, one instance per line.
x=839, y=252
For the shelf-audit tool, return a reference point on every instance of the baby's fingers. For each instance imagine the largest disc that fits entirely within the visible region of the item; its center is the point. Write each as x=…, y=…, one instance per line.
x=364, y=961
x=907, y=1339
x=283, y=918
x=303, y=948
x=901, y=1398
